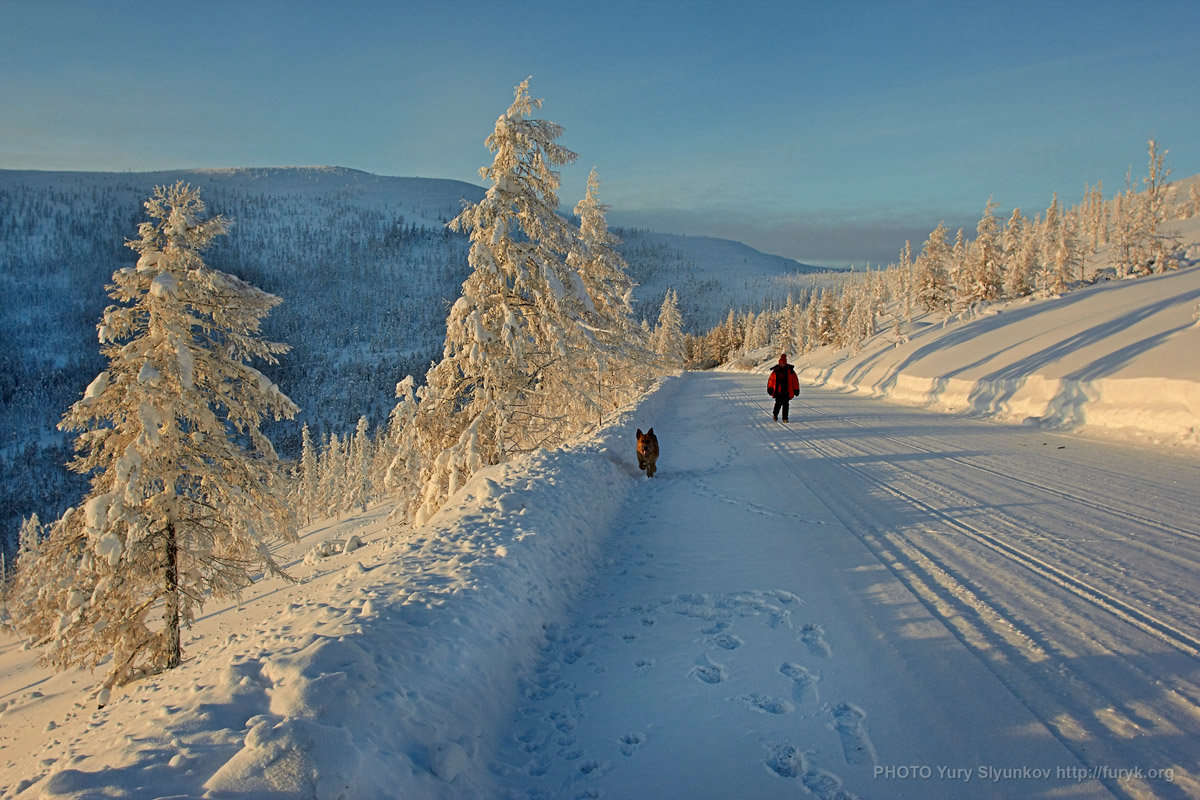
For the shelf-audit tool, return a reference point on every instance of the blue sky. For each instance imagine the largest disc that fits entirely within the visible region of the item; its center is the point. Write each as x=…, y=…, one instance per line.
x=828, y=132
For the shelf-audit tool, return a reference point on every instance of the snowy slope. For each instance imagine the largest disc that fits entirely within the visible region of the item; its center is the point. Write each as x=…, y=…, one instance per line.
x=711, y=276
x=431, y=201
x=872, y=601
x=1115, y=358
x=377, y=673
x=364, y=264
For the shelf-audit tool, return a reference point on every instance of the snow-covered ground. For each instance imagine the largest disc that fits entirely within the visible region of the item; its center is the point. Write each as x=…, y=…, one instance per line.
x=873, y=600
x=1118, y=358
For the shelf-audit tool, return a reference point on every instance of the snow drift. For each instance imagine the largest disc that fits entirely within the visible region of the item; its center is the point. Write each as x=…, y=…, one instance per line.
x=376, y=675
x=1117, y=358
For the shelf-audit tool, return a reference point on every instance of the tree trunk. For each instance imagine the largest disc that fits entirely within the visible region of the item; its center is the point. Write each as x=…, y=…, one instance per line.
x=174, y=651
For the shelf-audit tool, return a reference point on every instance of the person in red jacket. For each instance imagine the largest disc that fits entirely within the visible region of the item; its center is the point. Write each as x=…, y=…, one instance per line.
x=783, y=385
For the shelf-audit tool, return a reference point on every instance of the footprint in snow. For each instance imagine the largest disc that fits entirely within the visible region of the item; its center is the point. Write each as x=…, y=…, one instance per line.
x=850, y=722
x=786, y=760
x=538, y=766
x=804, y=683
x=630, y=743
x=708, y=671
x=824, y=785
x=727, y=641
x=766, y=704
x=594, y=769
x=814, y=636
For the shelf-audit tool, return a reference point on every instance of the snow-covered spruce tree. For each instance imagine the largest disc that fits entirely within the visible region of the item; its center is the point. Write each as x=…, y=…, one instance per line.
x=1068, y=260
x=1191, y=208
x=827, y=318
x=402, y=475
x=29, y=535
x=899, y=277
x=858, y=313
x=932, y=281
x=308, y=477
x=725, y=339
x=981, y=280
x=332, y=469
x=1159, y=207
x=1051, y=279
x=358, y=468
x=785, y=327
x=667, y=340
x=1093, y=217
x=751, y=333
x=904, y=282
x=504, y=375
x=1125, y=235
x=185, y=488
x=1017, y=255
x=958, y=267
x=623, y=358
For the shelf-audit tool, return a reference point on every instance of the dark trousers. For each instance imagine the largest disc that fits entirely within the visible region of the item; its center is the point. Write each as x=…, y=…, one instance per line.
x=781, y=402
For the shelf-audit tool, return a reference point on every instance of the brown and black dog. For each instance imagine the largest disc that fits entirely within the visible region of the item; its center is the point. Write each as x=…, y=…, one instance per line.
x=647, y=451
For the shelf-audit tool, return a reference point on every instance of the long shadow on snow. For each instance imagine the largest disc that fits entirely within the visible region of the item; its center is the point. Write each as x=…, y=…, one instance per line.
x=1067, y=409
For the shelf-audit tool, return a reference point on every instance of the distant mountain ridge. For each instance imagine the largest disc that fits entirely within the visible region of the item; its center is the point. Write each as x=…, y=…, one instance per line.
x=364, y=263
x=299, y=181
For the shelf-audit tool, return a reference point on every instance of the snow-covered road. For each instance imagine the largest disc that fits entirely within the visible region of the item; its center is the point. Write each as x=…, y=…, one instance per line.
x=871, y=601
x=879, y=601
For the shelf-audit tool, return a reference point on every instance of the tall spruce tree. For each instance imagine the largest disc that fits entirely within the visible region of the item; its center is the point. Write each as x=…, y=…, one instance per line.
x=185, y=487
x=932, y=282
x=514, y=330
x=1159, y=206
x=668, y=337
x=622, y=355
x=982, y=278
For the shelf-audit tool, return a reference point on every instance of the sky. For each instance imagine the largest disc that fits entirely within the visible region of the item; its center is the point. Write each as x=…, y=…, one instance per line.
x=829, y=132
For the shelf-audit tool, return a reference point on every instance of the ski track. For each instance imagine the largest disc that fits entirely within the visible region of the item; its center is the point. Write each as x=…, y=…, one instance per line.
x=658, y=674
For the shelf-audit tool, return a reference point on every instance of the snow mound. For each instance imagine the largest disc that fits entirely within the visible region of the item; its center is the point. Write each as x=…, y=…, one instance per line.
x=1117, y=358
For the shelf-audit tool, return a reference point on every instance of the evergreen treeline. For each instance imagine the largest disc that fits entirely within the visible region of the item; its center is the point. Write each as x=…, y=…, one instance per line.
x=1005, y=260
x=366, y=266
x=185, y=487
x=366, y=283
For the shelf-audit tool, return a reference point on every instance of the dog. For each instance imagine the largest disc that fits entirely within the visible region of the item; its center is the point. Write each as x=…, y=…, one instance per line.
x=647, y=451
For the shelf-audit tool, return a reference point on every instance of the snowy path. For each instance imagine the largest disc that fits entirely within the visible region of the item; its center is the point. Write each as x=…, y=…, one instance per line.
x=874, y=601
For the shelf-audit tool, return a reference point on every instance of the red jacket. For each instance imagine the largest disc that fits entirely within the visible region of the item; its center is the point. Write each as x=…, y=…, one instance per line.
x=783, y=375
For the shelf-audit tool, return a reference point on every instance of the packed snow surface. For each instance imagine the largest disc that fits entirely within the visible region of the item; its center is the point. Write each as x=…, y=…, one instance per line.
x=874, y=600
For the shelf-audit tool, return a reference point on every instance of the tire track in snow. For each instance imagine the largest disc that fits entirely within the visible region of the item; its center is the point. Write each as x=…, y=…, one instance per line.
x=1106, y=601
x=1126, y=612
x=1161, y=549
x=1085, y=717
x=1094, y=502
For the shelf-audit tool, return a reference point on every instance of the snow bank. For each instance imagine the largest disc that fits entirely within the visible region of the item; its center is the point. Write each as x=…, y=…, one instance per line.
x=459, y=612
x=379, y=675
x=1116, y=358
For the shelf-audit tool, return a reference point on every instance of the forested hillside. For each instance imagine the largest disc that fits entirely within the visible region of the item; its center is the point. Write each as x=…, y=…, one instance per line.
x=365, y=265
